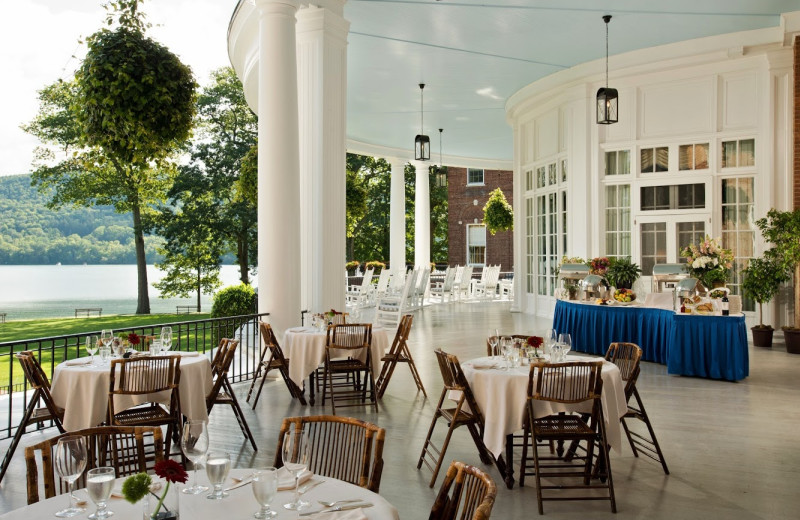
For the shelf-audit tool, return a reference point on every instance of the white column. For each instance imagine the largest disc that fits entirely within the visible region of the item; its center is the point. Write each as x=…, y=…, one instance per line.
x=278, y=187
x=422, y=216
x=322, y=100
x=397, y=217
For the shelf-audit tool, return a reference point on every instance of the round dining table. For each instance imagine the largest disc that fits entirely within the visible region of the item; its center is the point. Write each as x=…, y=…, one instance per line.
x=239, y=504
x=81, y=389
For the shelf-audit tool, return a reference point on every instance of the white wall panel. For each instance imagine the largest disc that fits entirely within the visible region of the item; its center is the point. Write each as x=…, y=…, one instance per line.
x=739, y=109
x=624, y=129
x=547, y=134
x=677, y=108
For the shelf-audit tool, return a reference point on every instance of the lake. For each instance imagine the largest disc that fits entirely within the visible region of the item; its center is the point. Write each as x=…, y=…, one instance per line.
x=50, y=291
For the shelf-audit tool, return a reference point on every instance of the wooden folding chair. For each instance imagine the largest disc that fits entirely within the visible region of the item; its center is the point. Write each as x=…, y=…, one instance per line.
x=128, y=449
x=34, y=414
x=351, y=339
x=465, y=413
x=567, y=383
x=467, y=493
x=343, y=448
x=222, y=391
x=399, y=353
x=276, y=361
x=627, y=357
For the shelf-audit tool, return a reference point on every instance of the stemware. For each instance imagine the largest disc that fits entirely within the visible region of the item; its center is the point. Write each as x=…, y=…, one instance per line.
x=265, y=486
x=550, y=339
x=99, y=483
x=217, y=467
x=107, y=336
x=194, y=443
x=91, y=347
x=166, y=338
x=566, y=344
x=70, y=463
x=493, y=340
x=295, y=459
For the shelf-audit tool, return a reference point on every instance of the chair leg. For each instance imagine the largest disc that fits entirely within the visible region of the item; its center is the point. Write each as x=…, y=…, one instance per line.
x=643, y=416
x=537, y=471
x=415, y=374
x=386, y=374
x=237, y=411
x=260, y=387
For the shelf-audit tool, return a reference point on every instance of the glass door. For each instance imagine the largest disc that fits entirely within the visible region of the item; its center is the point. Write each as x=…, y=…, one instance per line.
x=662, y=238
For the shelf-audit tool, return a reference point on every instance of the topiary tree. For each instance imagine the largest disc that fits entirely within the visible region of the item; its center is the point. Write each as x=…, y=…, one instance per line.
x=782, y=229
x=761, y=282
x=497, y=213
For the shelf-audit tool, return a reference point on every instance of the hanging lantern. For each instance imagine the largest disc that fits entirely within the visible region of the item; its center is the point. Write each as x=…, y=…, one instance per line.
x=607, y=98
x=441, y=171
x=422, y=143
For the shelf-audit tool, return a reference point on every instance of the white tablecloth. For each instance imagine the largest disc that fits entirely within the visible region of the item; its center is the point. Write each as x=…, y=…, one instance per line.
x=305, y=348
x=502, y=394
x=240, y=503
x=82, y=391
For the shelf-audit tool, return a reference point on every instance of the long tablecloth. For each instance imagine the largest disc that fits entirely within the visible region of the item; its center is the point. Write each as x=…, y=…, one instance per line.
x=704, y=346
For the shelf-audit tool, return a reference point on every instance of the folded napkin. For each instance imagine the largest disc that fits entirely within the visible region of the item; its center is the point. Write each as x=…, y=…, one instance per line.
x=78, y=362
x=484, y=365
x=286, y=479
x=353, y=514
x=193, y=353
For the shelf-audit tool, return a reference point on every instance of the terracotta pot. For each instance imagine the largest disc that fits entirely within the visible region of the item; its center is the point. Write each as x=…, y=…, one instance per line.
x=792, y=340
x=762, y=336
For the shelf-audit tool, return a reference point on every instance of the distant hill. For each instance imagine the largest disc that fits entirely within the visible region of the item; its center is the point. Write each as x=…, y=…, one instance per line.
x=32, y=234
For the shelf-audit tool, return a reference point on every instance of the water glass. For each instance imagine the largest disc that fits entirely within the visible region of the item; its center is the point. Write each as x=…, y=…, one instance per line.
x=217, y=467
x=550, y=339
x=493, y=339
x=513, y=356
x=566, y=344
x=99, y=483
x=294, y=454
x=265, y=487
x=70, y=463
x=155, y=347
x=194, y=444
x=107, y=336
x=555, y=353
x=105, y=355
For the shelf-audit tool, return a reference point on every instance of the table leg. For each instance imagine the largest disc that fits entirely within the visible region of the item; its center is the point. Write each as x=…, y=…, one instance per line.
x=508, y=463
x=311, y=385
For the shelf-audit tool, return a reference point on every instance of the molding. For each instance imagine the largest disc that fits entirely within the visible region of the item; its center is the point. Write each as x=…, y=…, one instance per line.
x=407, y=155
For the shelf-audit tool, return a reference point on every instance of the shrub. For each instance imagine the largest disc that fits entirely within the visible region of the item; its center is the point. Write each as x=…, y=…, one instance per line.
x=497, y=213
x=234, y=300
x=377, y=265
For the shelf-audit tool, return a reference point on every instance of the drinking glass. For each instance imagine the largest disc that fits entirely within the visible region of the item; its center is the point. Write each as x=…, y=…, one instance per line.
x=506, y=343
x=550, y=339
x=265, y=486
x=107, y=336
x=513, y=356
x=70, y=463
x=217, y=467
x=295, y=459
x=99, y=483
x=566, y=344
x=194, y=444
x=166, y=338
x=493, y=340
x=555, y=353
x=91, y=347
x=105, y=355
x=155, y=347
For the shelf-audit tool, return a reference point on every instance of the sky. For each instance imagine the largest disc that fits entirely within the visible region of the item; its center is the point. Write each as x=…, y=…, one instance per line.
x=38, y=39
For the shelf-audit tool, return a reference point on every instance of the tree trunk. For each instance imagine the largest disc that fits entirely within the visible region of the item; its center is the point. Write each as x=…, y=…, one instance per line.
x=797, y=296
x=198, y=289
x=350, y=244
x=242, y=257
x=143, y=300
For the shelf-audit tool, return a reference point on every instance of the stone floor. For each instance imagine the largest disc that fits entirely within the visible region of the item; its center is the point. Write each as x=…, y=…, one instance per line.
x=731, y=447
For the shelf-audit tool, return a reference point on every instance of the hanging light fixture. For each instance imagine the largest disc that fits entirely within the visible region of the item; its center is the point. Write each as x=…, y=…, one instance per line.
x=422, y=143
x=441, y=173
x=607, y=98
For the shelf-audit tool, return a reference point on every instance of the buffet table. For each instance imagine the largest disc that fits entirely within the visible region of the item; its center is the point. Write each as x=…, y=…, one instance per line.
x=692, y=345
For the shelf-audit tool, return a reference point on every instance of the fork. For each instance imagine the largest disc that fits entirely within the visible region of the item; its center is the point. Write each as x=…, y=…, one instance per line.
x=333, y=503
x=311, y=485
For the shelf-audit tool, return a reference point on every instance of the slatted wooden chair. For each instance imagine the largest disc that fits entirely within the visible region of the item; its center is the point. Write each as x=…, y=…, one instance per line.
x=467, y=493
x=399, y=353
x=142, y=377
x=343, y=448
x=444, y=289
x=277, y=361
x=34, y=413
x=567, y=383
x=128, y=449
x=466, y=412
x=222, y=391
x=627, y=357
x=352, y=339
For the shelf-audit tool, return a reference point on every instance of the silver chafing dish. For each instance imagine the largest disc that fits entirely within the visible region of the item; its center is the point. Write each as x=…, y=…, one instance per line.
x=593, y=286
x=668, y=276
x=569, y=274
x=686, y=288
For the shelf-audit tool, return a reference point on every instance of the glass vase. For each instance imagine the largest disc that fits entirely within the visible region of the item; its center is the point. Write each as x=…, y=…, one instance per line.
x=167, y=509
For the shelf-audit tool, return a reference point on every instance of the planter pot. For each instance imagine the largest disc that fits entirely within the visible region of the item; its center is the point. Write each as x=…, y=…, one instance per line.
x=792, y=341
x=762, y=337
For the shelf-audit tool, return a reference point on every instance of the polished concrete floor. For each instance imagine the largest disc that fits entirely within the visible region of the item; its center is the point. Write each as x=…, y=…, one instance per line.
x=732, y=448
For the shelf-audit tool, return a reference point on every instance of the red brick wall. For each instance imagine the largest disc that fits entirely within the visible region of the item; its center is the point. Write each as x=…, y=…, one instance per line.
x=796, y=115
x=463, y=211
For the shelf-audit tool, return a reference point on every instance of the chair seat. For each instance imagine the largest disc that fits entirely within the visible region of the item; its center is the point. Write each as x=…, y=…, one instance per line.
x=347, y=365
x=43, y=414
x=388, y=306
x=275, y=363
x=398, y=358
x=457, y=419
x=562, y=426
x=151, y=414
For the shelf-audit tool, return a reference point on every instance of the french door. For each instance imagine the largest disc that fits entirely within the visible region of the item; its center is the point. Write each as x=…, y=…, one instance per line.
x=661, y=238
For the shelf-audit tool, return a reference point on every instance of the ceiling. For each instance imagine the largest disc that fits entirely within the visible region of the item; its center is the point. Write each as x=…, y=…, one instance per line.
x=474, y=54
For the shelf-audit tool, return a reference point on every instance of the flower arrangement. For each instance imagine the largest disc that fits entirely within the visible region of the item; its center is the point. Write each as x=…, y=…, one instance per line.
x=138, y=486
x=129, y=339
x=708, y=261
x=535, y=342
x=599, y=265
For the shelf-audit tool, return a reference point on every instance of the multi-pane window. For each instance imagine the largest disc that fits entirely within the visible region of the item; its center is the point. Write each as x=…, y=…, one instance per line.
x=653, y=238
x=552, y=175
x=476, y=244
x=655, y=159
x=618, y=162
x=689, y=233
x=530, y=244
x=541, y=244
x=474, y=175
x=546, y=226
x=693, y=157
x=618, y=220
x=738, y=153
x=678, y=196
x=563, y=211
x=540, y=177
x=563, y=170
x=528, y=180
x=738, y=229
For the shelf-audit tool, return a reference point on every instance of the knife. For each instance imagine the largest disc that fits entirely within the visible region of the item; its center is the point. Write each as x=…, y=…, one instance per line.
x=247, y=480
x=338, y=508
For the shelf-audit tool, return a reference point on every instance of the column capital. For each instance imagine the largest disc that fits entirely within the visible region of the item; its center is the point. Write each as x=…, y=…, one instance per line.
x=334, y=6
x=270, y=5
x=397, y=162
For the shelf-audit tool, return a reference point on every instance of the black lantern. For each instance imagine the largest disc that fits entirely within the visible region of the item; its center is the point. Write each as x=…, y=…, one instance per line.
x=607, y=98
x=422, y=143
x=441, y=171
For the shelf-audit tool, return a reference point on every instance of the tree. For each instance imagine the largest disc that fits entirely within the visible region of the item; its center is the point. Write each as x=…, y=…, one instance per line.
x=368, y=188
x=497, y=213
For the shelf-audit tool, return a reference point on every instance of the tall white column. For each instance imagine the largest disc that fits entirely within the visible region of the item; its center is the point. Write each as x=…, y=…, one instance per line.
x=422, y=216
x=322, y=100
x=397, y=217
x=278, y=186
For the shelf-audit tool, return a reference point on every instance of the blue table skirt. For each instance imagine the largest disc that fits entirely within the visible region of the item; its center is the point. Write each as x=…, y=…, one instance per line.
x=704, y=346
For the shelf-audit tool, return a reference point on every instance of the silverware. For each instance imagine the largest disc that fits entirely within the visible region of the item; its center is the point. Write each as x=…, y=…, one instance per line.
x=311, y=485
x=336, y=502
x=243, y=482
x=338, y=508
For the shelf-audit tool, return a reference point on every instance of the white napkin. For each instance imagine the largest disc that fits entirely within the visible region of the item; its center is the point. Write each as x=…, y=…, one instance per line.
x=193, y=353
x=353, y=514
x=77, y=362
x=286, y=479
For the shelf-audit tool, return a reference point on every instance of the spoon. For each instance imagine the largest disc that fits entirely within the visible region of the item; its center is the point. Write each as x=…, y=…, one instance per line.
x=333, y=503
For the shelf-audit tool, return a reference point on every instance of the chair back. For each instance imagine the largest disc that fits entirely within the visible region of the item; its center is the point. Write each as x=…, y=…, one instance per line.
x=383, y=282
x=401, y=336
x=466, y=277
x=271, y=342
x=455, y=380
x=349, y=336
x=467, y=493
x=422, y=282
x=143, y=376
x=128, y=449
x=338, y=318
x=219, y=367
x=449, y=278
x=573, y=382
x=38, y=381
x=366, y=281
x=627, y=357
x=340, y=447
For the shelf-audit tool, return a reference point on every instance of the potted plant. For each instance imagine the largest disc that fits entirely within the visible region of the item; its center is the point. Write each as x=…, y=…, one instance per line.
x=376, y=265
x=497, y=213
x=351, y=267
x=572, y=289
x=761, y=281
x=782, y=229
x=709, y=262
x=622, y=273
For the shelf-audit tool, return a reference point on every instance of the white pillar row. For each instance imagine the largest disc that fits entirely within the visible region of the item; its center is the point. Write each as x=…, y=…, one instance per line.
x=422, y=216
x=278, y=186
x=322, y=99
x=397, y=218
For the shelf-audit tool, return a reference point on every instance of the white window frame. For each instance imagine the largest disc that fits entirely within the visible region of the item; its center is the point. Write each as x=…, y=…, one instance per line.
x=483, y=177
x=469, y=256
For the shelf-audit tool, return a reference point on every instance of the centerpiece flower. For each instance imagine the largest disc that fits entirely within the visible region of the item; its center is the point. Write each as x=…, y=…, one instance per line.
x=138, y=486
x=599, y=265
x=535, y=342
x=708, y=261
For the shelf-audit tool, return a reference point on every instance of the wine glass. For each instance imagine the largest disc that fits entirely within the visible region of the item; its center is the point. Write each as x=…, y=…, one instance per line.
x=70, y=463
x=91, y=347
x=265, y=486
x=566, y=344
x=166, y=338
x=295, y=459
x=194, y=444
x=107, y=336
x=493, y=340
x=99, y=483
x=506, y=344
x=550, y=338
x=217, y=467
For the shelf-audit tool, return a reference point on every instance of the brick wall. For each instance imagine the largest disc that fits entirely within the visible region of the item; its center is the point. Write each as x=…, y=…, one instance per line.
x=796, y=115
x=462, y=211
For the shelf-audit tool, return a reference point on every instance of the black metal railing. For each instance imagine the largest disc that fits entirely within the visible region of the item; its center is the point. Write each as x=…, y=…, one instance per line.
x=197, y=335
